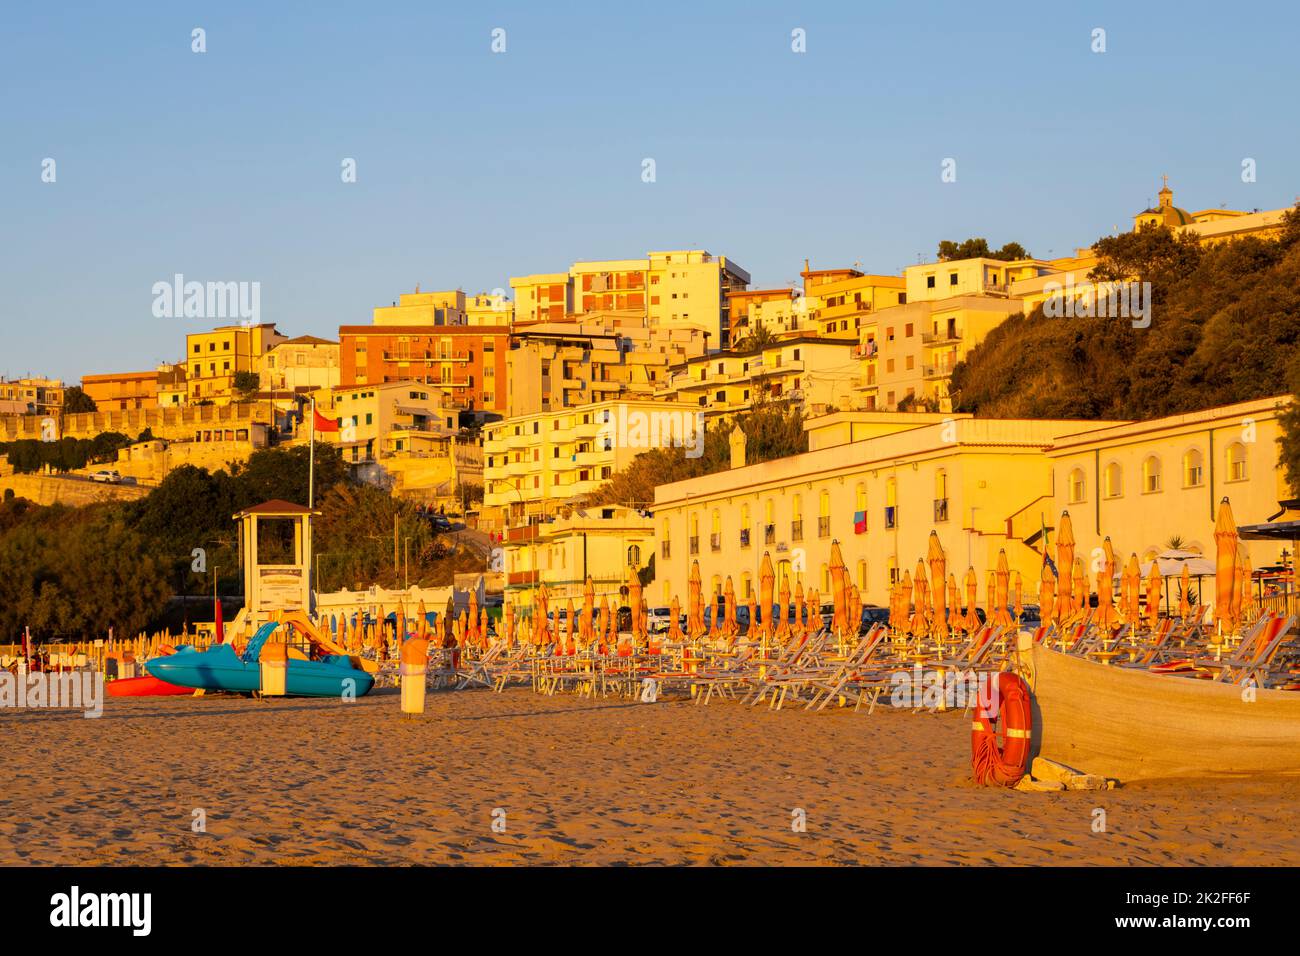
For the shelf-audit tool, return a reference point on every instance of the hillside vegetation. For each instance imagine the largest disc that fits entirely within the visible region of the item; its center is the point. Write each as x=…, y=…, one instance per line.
x=1224, y=327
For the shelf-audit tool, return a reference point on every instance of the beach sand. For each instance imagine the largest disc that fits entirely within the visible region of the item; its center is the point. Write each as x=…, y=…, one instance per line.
x=580, y=782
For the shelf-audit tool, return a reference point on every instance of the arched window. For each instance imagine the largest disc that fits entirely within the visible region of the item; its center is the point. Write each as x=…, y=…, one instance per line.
x=891, y=503
x=826, y=581
x=1114, y=480
x=634, y=556
x=892, y=568
x=1151, y=475
x=746, y=586
x=824, y=515
x=744, y=525
x=941, y=495
x=1236, y=454
x=860, y=498
x=1078, y=486
x=862, y=575
x=796, y=518
x=715, y=530
x=1193, y=469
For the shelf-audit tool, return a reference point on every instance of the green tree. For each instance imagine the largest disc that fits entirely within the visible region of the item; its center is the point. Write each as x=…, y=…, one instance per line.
x=283, y=473
x=76, y=401
x=977, y=248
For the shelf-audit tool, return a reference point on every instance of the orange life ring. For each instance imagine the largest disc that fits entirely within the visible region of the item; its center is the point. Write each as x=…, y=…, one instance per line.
x=1003, y=765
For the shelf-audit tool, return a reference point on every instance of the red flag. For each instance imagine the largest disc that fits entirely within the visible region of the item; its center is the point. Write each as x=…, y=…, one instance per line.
x=220, y=630
x=324, y=424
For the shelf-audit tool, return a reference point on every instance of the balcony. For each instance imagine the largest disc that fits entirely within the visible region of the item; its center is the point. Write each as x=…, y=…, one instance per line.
x=744, y=537
x=666, y=549
x=769, y=534
x=695, y=544
x=940, y=509
x=715, y=541
x=891, y=516
x=824, y=526
x=796, y=530
x=936, y=371
x=942, y=337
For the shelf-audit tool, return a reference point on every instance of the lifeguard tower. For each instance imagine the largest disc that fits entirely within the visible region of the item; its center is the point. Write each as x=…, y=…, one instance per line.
x=275, y=550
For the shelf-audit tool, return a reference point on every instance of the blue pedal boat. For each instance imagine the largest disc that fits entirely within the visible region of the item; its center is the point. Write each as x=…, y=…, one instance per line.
x=219, y=668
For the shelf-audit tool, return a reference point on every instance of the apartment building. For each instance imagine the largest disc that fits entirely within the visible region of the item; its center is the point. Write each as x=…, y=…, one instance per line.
x=603, y=543
x=213, y=359
x=302, y=364
x=809, y=372
x=118, y=390
x=534, y=465
x=31, y=396
x=466, y=363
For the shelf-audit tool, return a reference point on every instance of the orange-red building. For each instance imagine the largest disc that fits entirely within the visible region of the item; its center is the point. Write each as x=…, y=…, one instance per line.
x=115, y=391
x=466, y=362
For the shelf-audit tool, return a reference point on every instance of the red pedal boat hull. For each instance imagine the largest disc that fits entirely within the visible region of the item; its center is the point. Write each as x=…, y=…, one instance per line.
x=145, y=687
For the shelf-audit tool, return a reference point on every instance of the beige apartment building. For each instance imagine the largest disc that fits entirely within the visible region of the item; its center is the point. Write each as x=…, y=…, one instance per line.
x=685, y=288
x=380, y=419
x=812, y=373
x=302, y=364
x=604, y=543
x=555, y=365
x=213, y=359
x=536, y=465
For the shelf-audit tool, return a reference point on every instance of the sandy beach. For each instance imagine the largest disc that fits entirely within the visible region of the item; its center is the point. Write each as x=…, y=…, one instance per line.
x=580, y=783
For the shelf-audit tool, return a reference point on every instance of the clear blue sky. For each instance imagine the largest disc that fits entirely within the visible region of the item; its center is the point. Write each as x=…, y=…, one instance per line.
x=473, y=167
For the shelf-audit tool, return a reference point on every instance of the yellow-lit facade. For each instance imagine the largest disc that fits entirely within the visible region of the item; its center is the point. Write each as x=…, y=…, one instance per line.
x=966, y=478
x=534, y=465
x=213, y=359
x=604, y=543
x=879, y=482
x=811, y=373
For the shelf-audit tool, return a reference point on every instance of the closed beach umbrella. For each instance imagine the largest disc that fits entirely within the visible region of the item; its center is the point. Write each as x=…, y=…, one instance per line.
x=938, y=562
x=1153, y=595
x=839, y=590
x=991, y=597
x=1065, y=565
x=766, y=587
x=920, y=596
x=905, y=601
x=1185, y=595
x=1105, y=597
x=1018, y=591
x=634, y=605
x=1080, y=586
x=674, y=623
x=782, y=633
x=955, y=620
x=972, y=598
x=1240, y=610
x=798, y=630
x=1047, y=594
x=1132, y=585
x=1225, y=567
x=1001, y=596
x=508, y=622
x=694, y=603
x=729, y=623
x=585, y=633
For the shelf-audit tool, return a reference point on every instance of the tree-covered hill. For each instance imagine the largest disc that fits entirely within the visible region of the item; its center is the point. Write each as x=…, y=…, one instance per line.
x=1224, y=327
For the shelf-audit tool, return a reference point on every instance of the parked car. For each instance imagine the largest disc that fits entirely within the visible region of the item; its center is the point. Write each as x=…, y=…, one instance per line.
x=658, y=619
x=106, y=476
x=872, y=614
x=440, y=523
